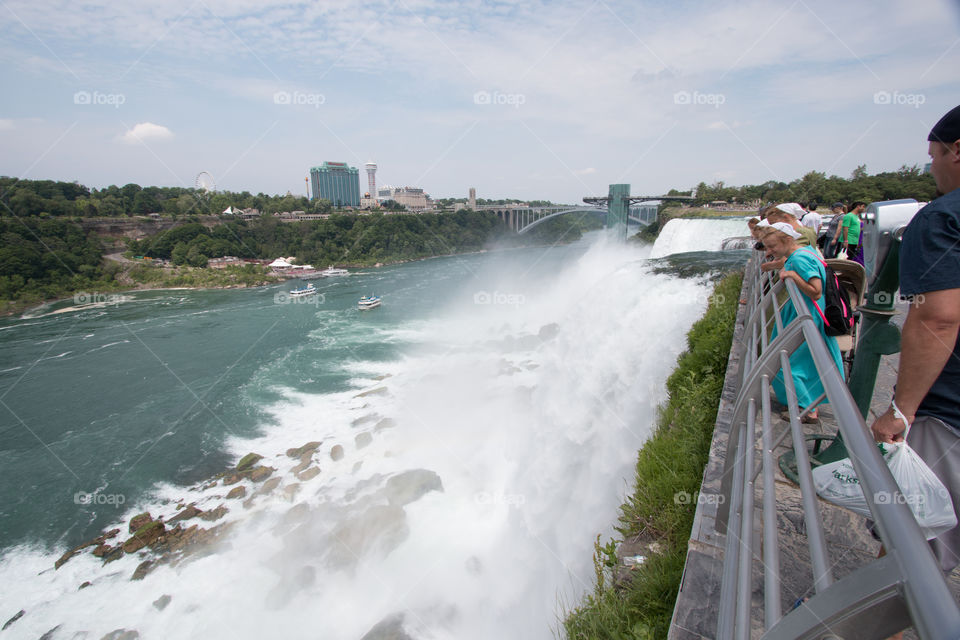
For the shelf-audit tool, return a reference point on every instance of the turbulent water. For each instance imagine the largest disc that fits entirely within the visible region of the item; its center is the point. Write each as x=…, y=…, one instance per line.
x=489, y=415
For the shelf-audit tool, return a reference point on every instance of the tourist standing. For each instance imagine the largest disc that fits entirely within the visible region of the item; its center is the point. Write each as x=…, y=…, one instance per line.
x=811, y=218
x=927, y=398
x=848, y=231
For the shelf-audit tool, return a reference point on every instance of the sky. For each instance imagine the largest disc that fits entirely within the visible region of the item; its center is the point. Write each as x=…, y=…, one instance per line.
x=528, y=99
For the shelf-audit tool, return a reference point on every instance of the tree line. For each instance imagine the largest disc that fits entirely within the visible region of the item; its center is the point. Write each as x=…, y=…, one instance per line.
x=43, y=258
x=816, y=186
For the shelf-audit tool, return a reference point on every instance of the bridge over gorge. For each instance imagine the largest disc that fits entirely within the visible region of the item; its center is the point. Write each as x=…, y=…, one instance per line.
x=625, y=209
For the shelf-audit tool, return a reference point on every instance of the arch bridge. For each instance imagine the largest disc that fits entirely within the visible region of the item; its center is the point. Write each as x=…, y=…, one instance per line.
x=524, y=218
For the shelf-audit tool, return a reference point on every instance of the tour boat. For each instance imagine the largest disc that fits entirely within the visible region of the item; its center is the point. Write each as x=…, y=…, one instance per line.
x=308, y=290
x=368, y=302
x=330, y=272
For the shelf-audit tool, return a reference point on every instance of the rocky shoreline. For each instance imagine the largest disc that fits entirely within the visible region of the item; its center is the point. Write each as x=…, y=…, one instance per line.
x=186, y=532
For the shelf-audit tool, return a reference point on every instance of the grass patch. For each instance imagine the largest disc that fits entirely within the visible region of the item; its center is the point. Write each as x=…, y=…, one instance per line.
x=670, y=463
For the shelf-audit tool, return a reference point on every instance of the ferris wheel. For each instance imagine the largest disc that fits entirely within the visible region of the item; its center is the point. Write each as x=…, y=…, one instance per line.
x=204, y=182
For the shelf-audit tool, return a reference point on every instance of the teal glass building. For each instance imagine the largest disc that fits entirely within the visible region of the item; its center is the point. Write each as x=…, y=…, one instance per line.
x=337, y=182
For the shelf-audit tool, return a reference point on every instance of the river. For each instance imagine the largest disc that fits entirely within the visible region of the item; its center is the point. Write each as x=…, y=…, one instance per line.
x=489, y=415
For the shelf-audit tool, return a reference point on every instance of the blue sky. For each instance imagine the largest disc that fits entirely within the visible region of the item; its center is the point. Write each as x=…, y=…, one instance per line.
x=538, y=100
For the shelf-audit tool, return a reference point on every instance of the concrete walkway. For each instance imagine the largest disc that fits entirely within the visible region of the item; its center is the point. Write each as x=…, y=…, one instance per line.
x=849, y=543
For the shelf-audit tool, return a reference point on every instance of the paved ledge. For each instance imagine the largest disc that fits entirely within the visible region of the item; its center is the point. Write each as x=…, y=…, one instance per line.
x=849, y=544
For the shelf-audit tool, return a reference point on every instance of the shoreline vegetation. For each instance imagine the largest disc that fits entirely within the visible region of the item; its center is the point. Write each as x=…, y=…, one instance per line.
x=43, y=260
x=638, y=575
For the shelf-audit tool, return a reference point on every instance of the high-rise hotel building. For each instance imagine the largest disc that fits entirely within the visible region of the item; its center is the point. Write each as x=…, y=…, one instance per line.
x=337, y=182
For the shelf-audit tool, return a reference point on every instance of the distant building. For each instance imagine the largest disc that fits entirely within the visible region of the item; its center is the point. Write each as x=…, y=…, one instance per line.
x=413, y=198
x=371, y=168
x=472, y=201
x=337, y=182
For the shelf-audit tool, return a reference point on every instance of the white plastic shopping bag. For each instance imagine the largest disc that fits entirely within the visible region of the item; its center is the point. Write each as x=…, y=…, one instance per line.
x=837, y=482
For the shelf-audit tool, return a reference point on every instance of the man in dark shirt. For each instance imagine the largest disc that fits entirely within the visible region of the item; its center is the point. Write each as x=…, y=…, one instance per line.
x=928, y=383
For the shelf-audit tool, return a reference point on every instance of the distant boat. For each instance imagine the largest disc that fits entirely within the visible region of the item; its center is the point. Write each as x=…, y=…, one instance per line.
x=330, y=272
x=308, y=290
x=368, y=302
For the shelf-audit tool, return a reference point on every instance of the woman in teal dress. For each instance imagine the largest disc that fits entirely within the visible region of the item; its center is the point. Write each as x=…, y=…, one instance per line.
x=807, y=272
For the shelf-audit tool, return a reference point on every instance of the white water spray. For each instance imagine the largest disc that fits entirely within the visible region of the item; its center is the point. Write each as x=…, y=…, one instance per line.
x=473, y=483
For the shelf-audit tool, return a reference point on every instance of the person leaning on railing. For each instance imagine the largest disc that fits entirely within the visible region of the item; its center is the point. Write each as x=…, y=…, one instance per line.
x=927, y=397
x=806, y=270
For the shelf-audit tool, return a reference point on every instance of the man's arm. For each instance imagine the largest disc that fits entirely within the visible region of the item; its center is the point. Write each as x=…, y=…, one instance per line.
x=840, y=230
x=928, y=337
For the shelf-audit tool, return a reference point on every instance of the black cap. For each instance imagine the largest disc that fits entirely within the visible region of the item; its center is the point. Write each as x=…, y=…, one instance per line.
x=947, y=130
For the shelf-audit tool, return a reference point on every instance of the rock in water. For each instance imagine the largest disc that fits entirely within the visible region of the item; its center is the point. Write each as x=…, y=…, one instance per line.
x=144, y=536
x=248, y=461
x=162, y=602
x=49, y=635
x=410, y=486
x=310, y=447
x=363, y=439
x=261, y=473
x=186, y=513
x=237, y=493
x=336, y=452
x=121, y=634
x=142, y=570
x=140, y=520
x=13, y=619
x=309, y=474
x=390, y=628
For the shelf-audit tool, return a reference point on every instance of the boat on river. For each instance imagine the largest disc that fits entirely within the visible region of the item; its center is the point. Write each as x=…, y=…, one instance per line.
x=331, y=272
x=368, y=302
x=302, y=292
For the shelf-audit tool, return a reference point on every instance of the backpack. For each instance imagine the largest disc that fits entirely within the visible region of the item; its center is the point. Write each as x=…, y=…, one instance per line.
x=837, y=313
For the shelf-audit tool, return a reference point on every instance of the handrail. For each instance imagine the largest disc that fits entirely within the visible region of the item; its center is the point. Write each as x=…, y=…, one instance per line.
x=906, y=587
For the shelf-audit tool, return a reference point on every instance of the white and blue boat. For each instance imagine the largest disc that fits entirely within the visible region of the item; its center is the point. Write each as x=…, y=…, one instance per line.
x=301, y=292
x=368, y=302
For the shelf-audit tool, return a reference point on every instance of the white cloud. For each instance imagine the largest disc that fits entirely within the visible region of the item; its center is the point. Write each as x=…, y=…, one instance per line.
x=146, y=131
x=585, y=172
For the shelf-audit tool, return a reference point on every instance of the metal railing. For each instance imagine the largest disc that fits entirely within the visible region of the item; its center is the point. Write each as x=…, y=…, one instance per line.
x=905, y=587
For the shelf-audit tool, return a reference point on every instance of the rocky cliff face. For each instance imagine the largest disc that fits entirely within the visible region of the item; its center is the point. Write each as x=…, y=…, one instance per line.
x=138, y=227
